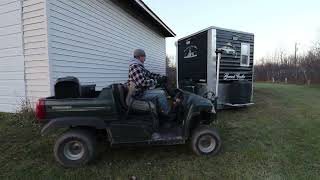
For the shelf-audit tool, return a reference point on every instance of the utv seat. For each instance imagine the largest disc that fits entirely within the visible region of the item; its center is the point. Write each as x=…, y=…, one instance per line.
x=120, y=92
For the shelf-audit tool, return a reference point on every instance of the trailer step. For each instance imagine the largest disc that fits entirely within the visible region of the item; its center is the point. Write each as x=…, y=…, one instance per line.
x=238, y=105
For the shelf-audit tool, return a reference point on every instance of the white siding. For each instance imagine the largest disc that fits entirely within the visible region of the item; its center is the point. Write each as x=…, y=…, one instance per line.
x=94, y=39
x=12, y=87
x=36, y=49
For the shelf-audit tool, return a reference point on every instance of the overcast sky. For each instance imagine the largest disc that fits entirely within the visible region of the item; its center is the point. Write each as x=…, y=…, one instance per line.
x=277, y=24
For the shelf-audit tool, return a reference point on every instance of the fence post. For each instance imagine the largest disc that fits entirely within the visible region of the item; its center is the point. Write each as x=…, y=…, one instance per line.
x=308, y=82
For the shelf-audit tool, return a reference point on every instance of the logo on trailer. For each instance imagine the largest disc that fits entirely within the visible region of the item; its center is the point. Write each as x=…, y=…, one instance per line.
x=228, y=48
x=191, y=51
x=235, y=37
x=236, y=76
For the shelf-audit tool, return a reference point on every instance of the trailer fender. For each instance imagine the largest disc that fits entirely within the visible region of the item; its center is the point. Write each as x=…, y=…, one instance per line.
x=67, y=122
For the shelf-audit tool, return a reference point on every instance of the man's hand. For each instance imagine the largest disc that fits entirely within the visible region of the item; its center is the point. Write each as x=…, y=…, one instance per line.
x=154, y=84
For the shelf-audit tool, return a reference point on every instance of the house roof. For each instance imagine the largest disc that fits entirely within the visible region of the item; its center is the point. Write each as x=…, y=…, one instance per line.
x=166, y=31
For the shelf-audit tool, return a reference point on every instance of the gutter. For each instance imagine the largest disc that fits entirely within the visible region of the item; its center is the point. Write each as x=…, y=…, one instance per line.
x=154, y=16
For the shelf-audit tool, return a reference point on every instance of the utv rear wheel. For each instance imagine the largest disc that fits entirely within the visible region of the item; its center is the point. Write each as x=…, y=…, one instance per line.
x=75, y=148
x=205, y=141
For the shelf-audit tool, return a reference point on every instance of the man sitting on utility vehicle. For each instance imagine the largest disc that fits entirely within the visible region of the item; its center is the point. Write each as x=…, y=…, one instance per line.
x=142, y=83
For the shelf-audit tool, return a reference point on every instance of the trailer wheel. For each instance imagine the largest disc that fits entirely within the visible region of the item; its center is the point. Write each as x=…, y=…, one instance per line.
x=75, y=148
x=205, y=141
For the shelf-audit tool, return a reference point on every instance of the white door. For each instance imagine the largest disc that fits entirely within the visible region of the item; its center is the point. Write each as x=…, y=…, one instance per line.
x=12, y=87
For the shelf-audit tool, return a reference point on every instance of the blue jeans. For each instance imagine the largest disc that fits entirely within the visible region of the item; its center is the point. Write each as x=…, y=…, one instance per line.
x=157, y=96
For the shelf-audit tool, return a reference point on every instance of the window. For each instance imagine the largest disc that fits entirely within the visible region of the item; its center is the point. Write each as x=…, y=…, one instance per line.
x=245, y=54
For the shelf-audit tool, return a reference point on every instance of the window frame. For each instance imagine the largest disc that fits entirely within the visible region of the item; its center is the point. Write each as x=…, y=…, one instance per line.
x=242, y=53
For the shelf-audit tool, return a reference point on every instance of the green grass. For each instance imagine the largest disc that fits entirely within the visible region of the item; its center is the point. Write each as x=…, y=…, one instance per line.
x=277, y=138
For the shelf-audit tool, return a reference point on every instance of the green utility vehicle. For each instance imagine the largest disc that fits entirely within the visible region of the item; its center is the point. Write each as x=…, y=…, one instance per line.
x=105, y=116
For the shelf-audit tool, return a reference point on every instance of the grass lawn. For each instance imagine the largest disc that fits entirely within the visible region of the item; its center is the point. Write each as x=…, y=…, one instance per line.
x=277, y=138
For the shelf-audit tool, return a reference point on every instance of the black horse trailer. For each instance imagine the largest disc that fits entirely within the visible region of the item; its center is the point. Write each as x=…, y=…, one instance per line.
x=217, y=62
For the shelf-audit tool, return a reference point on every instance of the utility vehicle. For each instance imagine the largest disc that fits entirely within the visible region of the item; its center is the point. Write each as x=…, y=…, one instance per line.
x=104, y=115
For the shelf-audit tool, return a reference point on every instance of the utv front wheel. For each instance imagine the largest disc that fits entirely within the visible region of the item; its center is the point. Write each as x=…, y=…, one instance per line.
x=75, y=148
x=205, y=141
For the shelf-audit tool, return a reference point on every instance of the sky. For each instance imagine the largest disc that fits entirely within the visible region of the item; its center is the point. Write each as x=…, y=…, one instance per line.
x=277, y=24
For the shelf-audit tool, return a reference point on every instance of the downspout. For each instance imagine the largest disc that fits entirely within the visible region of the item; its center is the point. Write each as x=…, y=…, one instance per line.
x=23, y=54
x=47, y=24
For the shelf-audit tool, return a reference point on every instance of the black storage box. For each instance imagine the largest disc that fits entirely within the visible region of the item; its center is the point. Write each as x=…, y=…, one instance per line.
x=88, y=91
x=240, y=92
x=67, y=87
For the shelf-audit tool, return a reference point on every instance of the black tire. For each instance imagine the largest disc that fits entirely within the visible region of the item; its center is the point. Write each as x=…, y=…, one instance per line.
x=199, y=136
x=78, y=139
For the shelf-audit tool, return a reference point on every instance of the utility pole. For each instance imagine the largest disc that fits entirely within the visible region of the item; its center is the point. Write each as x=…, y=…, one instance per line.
x=295, y=52
x=296, y=60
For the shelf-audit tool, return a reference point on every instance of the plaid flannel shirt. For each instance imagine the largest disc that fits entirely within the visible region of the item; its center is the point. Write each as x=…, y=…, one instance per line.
x=142, y=78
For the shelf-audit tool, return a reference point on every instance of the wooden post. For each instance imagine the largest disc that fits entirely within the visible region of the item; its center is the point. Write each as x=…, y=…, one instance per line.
x=296, y=60
x=309, y=82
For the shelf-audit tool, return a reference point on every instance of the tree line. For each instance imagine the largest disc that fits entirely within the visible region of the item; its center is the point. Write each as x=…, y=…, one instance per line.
x=302, y=69
x=171, y=72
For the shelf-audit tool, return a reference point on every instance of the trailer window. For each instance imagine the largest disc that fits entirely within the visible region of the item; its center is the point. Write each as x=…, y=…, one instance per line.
x=245, y=54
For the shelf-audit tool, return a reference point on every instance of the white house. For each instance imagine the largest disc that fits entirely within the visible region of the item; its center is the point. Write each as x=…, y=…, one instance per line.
x=42, y=40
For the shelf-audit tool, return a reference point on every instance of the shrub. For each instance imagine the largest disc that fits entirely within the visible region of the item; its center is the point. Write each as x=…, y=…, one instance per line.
x=25, y=115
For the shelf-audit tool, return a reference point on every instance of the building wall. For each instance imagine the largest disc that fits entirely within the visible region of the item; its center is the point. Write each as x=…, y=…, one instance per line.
x=94, y=39
x=90, y=39
x=35, y=49
x=12, y=87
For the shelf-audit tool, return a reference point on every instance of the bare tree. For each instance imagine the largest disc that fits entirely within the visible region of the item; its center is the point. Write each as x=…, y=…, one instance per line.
x=171, y=72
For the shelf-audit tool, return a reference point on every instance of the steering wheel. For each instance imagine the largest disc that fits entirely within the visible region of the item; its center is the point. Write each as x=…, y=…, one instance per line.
x=161, y=82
